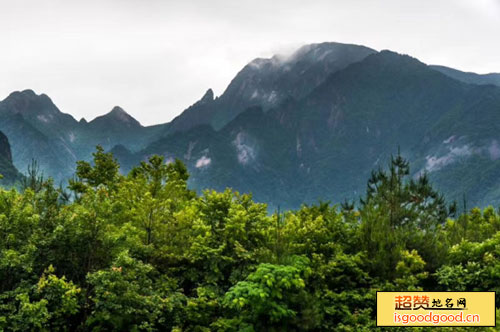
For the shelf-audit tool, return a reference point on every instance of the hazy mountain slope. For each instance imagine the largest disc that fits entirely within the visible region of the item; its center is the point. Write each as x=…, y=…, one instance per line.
x=419, y=111
x=28, y=143
x=462, y=151
x=471, y=78
x=355, y=119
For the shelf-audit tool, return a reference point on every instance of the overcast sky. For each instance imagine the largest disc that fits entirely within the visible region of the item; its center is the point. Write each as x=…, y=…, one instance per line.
x=154, y=58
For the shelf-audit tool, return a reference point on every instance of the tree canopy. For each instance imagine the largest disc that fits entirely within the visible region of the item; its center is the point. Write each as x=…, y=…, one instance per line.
x=143, y=252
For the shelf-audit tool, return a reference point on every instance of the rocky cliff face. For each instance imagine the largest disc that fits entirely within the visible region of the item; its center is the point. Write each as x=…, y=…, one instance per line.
x=7, y=169
x=5, y=152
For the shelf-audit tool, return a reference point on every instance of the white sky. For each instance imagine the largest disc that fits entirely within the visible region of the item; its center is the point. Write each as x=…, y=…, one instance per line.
x=154, y=58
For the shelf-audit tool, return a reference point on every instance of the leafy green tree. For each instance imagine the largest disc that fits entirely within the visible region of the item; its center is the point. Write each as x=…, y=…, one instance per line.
x=472, y=266
x=103, y=172
x=132, y=296
x=50, y=305
x=270, y=298
x=18, y=226
x=475, y=226
x=143, y=252
x=153, y=193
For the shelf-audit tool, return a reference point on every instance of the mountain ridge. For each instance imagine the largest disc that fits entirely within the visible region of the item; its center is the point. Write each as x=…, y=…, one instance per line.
x=307, y=127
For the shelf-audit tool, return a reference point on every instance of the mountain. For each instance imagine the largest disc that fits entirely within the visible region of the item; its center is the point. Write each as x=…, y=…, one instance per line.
x=7, y=170
x=268, y=82
x=39, y=111
x=295, y=129
x=39, y=130
x=471, y=78
x=324, y=144
x=118, y=128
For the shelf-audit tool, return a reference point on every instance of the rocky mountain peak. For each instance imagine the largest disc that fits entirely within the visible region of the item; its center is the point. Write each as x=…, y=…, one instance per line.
x=117, y=111
x=208, y=96
x=117, y=116
x=27, y=102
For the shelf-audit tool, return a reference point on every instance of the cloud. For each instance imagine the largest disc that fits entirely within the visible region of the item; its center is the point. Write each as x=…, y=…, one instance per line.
x=494, y=150
x=203, y=162
x=244, y=151
x=434, y=163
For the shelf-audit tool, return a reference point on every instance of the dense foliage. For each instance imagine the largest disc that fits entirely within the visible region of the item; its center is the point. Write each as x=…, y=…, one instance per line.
x=142, y=252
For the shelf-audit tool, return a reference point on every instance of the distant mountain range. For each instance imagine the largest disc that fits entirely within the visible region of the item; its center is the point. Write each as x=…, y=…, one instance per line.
x=296, y=129
x=471, y=78
x=37, y=129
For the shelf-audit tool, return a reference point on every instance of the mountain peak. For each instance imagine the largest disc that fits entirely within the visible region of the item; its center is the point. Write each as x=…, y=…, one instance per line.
x=29, y=94
x=26, y=92
x=329, y=51
x=26, y=95
x=32, y=106
x=315, y=53
x=267, y=82
x=118, y=111
x=116, y=116
x=208, y=96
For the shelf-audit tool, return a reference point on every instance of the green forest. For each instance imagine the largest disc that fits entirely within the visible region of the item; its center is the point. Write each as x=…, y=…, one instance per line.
x=143, y=252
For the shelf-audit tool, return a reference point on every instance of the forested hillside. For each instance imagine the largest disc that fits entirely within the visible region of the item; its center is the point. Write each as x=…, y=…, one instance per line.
x=143, y=252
